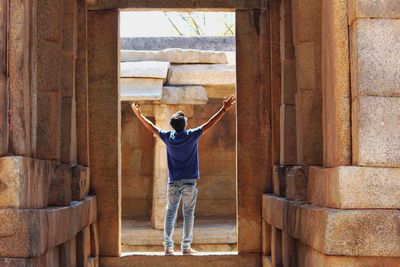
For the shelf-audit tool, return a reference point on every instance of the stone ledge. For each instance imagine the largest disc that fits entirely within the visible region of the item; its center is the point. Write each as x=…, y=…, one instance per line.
x=32, y=232
x=351, y=187
x=203, y=259
x=336, y=232
x=308, y=257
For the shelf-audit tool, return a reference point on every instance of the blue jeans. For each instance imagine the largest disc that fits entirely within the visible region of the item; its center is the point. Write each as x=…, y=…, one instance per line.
x=187, y=191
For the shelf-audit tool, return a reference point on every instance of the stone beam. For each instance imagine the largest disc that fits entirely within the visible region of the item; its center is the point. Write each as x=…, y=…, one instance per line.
x=104, y=125
x=184, y=5
x=253, y=121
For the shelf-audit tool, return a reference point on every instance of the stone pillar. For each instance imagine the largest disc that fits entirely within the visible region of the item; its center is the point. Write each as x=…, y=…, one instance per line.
x=3, y=80
x=253, y=123
x=104, y=125
x=162, y=114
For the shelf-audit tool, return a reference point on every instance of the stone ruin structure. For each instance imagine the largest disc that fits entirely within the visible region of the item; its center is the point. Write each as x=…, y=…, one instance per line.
x=317, y=142
x=163, y=82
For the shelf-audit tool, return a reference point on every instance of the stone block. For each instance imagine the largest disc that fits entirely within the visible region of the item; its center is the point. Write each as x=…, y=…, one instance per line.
x=350, y=232
x=141, y=89
x=176, y=55
x=50, y=18
x=305, y=66
x=53, y=257
x=373, y=9
x=375, y=136
x=24, y=182
x=21, y=69
x=289, y=251
x=273, y=209
x=336, y=84
x=80, y=182
x=50, y=65
x=60, y=186
x=289, y=82
x=188, y=95
x=296, y=183
x=286, y=25
x=68, y=74
x=202, y=74
x=94, y=240
x=266, y=233
x=83, y=247
x=351, y=187
x=278, y=180
x=276, y=247
x=220, y=91
x=59, y=225
x=309, y=128
x=307, y=16
x=145, y=69
x=288, y=147
x=67, y=252
x=69, y=25
x=308, y=257
x=374, y=51
x=49, y=125
x=23, y=232
x=3, y=80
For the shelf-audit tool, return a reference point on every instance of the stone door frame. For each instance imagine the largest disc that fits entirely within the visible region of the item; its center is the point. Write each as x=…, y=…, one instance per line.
x=253, y=113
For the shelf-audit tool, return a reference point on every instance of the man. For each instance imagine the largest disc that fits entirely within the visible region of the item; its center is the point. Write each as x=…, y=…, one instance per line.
x=183, y=167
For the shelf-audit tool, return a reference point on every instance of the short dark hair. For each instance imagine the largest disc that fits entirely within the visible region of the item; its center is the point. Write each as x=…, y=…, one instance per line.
x=178, y=121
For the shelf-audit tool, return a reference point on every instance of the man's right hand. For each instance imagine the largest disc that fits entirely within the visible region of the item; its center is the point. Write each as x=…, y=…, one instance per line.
x=136, y=109
x=228, y=103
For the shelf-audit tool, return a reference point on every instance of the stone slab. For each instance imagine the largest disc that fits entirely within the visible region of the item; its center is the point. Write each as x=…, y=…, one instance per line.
x=296, y=183
x=144, y=69
x=336, y=84
x=187, y=95
x=67, y=253
x=305, y=66
x=141, y=89
x=307, y=16
x=220, y=91
x=266, y=233
x=286, y=25
x=105, y=117
x=176, y=56
x=94, y=241
x=375, y=44
x=80, y=182
x=309, y=128
x=202, y=74
x=288, y=139
x=289, y=251
x=308, y=257
x=254, y=91
x=60, y=186
x=351, y=187
x=276, y=247
x=83, y=247
x=24, y=182
x=373, y=9
x=158, y=260
x=289, y=82
x=375, y=135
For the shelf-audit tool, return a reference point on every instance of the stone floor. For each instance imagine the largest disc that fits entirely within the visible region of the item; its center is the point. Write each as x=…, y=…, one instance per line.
x=214, y=234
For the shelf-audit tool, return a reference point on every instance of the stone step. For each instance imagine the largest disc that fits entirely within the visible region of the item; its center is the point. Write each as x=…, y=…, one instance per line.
x=144, y=69
x=206, y=231
x=202, y=74
x=175, y=55
x=32, y=232
x=351, y=187
x=336, y=232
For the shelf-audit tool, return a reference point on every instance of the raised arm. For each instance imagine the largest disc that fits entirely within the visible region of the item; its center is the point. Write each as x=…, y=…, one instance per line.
x=146, y=122
x=227, y=104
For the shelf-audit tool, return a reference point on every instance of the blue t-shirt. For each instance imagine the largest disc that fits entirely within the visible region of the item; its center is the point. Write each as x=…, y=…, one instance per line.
x=182, y=153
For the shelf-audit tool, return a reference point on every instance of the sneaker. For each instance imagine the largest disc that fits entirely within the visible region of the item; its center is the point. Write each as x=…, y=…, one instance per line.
x=189, y=251
x=169, y=252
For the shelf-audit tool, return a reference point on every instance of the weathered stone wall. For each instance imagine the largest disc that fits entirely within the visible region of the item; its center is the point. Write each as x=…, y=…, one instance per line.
x=47, y=216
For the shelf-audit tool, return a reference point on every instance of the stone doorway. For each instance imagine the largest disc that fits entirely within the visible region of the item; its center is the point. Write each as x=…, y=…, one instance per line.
x=165, y=74
x=253, y=109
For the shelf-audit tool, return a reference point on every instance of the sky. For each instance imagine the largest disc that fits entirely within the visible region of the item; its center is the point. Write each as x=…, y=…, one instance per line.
x=157, y=23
